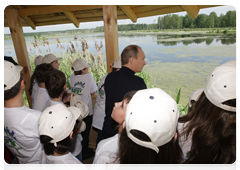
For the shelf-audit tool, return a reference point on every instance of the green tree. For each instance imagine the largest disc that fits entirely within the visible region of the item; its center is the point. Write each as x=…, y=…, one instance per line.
x=187, y=21
x=201, y=21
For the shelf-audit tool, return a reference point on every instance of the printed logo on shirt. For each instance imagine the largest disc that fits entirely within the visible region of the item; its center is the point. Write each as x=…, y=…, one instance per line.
x=9, y=139
x=78, y=90
x=101, y=92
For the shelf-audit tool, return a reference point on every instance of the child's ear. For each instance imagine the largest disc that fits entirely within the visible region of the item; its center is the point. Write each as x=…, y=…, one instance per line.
x=71, y=135
x=22, y=85
x=124, y=124
x=65, y=86
x=175, y=136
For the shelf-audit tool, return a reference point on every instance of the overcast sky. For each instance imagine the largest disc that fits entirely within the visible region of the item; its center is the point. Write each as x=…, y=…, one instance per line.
x=147, y=20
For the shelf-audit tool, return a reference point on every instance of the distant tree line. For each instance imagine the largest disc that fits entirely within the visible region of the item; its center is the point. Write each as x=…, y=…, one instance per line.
x=202, y=21
x=174, y=21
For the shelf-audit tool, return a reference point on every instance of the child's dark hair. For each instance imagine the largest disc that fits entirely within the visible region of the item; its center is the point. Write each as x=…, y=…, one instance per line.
x=114, y=69
x=77, y=72
x=62, y=146
x=10, y=93
x=128, y=96
x=132, y=153
x=54, y=83
x=214, y=135
x=39, y=74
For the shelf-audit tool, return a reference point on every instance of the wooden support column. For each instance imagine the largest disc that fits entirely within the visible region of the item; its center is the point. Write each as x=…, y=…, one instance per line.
x=111, y=34
x=20, y=47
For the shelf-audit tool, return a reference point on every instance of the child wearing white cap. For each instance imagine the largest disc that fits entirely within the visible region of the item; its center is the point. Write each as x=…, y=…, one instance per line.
x=149, y=132
x=99, y=108
x=55, y=82
x=20, y=122
x=51, y=59
x=107, y=148
x=83, y=84
x=41, y=96
x=208, y=132
x=57, y=126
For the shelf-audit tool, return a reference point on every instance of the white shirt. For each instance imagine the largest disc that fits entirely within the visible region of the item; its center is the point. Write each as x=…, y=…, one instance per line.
x=40, y=99
x=106, y=150
x=76, y=141
x=63, y=159
x=34, y=90
x=99, y=108
x=21, y=134
x=185, y=145
x=84, y=85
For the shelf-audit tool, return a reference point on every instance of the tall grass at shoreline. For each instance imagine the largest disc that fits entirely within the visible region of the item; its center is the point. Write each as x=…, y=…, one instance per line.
x=98, y=70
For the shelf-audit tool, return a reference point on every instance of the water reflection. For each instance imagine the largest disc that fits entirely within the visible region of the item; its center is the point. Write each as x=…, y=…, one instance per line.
x=208, y=41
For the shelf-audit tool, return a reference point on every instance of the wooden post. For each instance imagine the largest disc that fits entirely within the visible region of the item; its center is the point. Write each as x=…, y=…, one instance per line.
x=20, y=47
x=111, y=34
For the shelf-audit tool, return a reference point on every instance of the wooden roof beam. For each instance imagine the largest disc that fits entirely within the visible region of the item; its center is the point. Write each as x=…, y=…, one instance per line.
x=55, y=9
x=27, y=19
x=129, y=12
x=192, y=10
x=72, y=18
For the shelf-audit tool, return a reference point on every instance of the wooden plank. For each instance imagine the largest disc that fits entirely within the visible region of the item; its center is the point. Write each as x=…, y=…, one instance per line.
x=55, y=9
x=192, y=10
x=27, y=19
x=145, y=8
x=20, y=47
x=172, y=9
x=111, y=34
x=129, y=12
x=72, y=18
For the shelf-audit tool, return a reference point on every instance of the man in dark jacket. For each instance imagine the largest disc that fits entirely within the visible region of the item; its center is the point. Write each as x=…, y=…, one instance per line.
x=117, y=84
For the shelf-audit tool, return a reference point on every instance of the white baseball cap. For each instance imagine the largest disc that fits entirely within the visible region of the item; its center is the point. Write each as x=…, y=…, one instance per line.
x=38, y=60
x=155, y=113
x=80, y=64
x=221, y=85
x=195, y=95
x=49, y=58
x=57, y=122
x=12, y=74
x=76, y=101
x=117, y=63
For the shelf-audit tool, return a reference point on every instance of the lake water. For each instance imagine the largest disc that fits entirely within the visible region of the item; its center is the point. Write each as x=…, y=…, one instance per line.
x=173, y=60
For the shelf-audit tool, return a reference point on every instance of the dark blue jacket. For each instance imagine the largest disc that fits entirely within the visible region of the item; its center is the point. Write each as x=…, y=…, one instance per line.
x=116, y=85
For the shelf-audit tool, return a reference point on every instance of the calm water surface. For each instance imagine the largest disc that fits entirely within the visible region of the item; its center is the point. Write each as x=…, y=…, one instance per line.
x=173, y=61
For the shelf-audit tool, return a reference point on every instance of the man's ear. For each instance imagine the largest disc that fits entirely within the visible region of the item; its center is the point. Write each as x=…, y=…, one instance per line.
x=65, y=86
x=131, y=60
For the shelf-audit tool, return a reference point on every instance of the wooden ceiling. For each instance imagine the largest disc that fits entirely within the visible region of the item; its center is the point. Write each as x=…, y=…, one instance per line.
x=42, y=15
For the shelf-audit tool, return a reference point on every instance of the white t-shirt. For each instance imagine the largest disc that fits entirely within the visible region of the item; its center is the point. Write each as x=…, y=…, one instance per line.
x=185, y=145
x=99, y=108
x=76, y=141
x=64, y=159
x=106, y=150
x=34, y=90
x=84, y=85
x=40, y=99
x=21, y=134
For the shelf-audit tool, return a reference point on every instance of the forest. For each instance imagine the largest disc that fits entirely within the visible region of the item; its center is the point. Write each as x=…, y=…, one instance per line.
x=174, y=21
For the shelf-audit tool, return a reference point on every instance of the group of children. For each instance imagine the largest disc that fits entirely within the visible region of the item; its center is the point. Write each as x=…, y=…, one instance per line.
x=150, y=130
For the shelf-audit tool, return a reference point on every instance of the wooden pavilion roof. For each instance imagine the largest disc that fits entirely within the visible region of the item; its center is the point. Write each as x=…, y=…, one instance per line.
x=43, y=15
